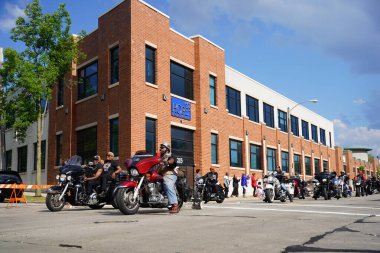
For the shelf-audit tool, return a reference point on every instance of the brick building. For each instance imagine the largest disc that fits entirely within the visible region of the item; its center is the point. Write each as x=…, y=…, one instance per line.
x=143, y=83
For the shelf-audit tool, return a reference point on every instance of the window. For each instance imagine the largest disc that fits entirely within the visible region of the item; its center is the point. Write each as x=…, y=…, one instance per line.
x=330, y=139
x=255, y=154
x=22, y=158
x=114, y=61
x=87, y=143
x=233, y=101
x=307, y=166
x=317, y=166
x=236, y=155
x=88, y=80
x=214, y=148
x=285, y=161
x=114, y=136
x=60, y=90
x=8, y=160
x=305, y=129
x=212, y=90
x=325, y=165
x=282, y=121
x=43, y=155
x=271, y=159
x=314, y=134
x=294, y=123
x=150, y=65
x=297, y=164
x=322, y=135
x=150, y=136
x=183, y=146
x=181, y=80
x=252, y=108
x=268, y=115
x=58, y=150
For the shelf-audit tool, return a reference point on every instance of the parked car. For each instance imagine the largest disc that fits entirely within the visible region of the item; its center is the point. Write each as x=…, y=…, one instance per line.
x=9, y=177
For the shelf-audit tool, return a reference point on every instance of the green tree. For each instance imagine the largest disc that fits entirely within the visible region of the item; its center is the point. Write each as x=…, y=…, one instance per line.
x=362, y=168
x=29, y=76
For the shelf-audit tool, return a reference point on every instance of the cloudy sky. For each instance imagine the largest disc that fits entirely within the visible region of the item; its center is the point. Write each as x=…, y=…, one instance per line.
x=327, y=49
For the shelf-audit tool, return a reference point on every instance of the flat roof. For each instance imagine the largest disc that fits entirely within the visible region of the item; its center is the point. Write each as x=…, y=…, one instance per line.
x=365, y=149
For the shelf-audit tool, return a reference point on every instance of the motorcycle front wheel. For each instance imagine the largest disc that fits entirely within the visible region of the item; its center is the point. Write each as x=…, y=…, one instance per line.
x=53, y=203
x=96, y=206
x=325, y=194
x=124, y=199
x=269, y=196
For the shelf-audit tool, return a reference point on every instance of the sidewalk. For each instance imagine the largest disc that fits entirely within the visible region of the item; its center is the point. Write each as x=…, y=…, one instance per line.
x=241, y=199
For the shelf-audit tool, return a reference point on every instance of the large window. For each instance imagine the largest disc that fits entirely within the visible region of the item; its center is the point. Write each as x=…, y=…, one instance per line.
x=43, y=155
x=314, y=133
x=236, y=155
x=58, y=150
x=271, y=159
x=87, y=143
x=317, y=166
x=252, y=108
x=181, y=79
x=325, y=165
x=88, y=80
x=285, y=161
x=8, y=160
x=60, y=90
x=305, y=129
x=22, y=158
x=255, y=155
x=150, y=65
x=114, y=61
x=322, y=135
x=297, y=164
x=282, y=121
x=268, y=115
x=212, y=90
x=114, y=136
x=233, y=101
x=183, y=146
x=307, y=166
x=150, y=136
x=214, y=148
x=294, y=123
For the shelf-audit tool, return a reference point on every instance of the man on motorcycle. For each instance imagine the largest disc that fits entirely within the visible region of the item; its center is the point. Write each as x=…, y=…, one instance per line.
x=167, y=166
x=281, y=177
x=110, y=169
x=212, y=176
x=94, y=181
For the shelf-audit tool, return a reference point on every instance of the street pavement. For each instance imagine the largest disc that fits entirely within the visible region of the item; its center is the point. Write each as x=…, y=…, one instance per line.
x=237, y=225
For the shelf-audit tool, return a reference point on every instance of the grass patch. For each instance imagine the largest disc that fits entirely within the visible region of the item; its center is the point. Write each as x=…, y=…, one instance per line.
x=35, y=199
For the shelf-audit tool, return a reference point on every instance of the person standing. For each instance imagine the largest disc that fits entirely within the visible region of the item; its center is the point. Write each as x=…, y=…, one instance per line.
x=254, y=184
x=244, y=183
x=226, y=184
x=235, y=184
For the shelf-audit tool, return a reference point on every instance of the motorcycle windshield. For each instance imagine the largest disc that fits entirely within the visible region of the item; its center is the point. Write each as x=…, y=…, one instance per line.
x=72, y=165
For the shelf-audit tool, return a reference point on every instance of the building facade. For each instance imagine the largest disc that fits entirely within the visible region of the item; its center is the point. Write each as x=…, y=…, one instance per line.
x=143, y=83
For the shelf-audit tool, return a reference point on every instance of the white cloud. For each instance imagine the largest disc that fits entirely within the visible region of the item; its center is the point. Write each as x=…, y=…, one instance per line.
x=358, y=136
x=8, y=19
x=349, y=30
x=359, y=101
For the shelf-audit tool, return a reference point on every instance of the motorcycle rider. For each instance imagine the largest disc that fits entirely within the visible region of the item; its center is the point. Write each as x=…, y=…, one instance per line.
x=213, y=177
x=282, y=178
x=110, y=169
x=167, y=166
x=94, y=181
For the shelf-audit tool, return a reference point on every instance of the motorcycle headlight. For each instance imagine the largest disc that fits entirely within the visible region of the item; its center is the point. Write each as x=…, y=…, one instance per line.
x=200, y=181
x=68, y=178
x=324, y=180
x=57, y=177
x=134, y=172
x=62, y=178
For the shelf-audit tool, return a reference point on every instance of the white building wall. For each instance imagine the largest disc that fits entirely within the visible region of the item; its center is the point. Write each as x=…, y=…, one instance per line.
x=248, y=86
x=28, y=177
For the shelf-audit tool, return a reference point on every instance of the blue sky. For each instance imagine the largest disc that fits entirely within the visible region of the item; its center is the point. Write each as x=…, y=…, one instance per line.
x=327, y=49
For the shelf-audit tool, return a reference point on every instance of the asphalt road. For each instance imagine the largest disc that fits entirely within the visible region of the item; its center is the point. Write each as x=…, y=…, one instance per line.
x=237, y=225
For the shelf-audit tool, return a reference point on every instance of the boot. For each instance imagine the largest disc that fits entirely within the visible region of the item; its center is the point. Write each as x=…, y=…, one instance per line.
x=175, y=209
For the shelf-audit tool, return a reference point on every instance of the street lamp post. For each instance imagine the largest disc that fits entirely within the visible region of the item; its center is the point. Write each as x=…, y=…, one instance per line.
x=290, y=164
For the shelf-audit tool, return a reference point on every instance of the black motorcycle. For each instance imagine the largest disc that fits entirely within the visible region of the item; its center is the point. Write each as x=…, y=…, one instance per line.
x=323, y=186
x=208, y=189
x=72, y=188
x=360, y=187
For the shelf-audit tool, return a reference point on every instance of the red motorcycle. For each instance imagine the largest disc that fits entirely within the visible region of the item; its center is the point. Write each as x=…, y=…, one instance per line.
x=300, y=187
x=144, y=187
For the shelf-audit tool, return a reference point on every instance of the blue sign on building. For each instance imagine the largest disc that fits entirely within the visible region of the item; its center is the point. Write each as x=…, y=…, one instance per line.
x=181, y=108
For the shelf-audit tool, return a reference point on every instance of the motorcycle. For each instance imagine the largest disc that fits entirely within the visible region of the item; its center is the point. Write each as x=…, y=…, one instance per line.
x=346, y=188
x=144, y=187
x=359, y=187
x=337, y=183
x=207, y=189
x=323, y=187
x=300, y=187
x=274, y=191
x=369, y=186
x=72, y=188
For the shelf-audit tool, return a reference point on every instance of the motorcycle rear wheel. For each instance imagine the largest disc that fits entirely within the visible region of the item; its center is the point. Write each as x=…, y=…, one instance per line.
x=125, y=203
x=53, y=203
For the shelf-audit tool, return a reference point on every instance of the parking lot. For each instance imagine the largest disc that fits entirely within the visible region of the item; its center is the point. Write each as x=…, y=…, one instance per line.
x=237, y=225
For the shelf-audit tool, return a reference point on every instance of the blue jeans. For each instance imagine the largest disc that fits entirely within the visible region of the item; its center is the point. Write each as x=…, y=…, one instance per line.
x=169, y=188
x=284, y=187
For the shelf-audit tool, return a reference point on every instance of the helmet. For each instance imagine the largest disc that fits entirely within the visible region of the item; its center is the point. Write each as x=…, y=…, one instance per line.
x=165, y=145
